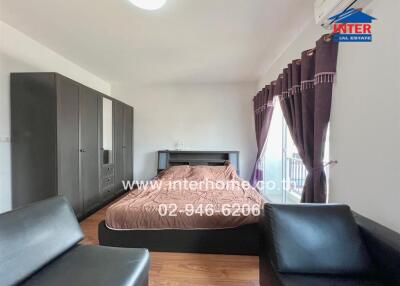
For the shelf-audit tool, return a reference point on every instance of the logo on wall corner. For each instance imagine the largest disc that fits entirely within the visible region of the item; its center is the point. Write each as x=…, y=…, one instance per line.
x=352, y=25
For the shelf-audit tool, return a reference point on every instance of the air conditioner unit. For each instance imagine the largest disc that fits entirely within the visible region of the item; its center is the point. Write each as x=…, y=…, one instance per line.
x=324, y=9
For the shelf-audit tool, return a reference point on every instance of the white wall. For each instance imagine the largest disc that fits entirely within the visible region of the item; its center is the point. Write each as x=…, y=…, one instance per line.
x=365, y=129
x=19, y=53
x=365, y=118
x=202, y=116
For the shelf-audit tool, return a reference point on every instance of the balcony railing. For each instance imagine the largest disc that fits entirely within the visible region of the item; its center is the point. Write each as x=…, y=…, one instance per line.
x=295, y=174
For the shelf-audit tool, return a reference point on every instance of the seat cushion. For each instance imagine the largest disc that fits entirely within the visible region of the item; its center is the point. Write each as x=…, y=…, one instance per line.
x=32, y=236
x=332, y=280
x=313, y=238
x=95, y=265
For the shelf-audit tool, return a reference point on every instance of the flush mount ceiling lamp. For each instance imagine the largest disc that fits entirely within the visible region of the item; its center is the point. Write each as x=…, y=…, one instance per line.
x=148, y=4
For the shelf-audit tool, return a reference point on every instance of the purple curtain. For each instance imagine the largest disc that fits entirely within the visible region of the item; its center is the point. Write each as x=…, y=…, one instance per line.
x=263, y=108
x=305, y=92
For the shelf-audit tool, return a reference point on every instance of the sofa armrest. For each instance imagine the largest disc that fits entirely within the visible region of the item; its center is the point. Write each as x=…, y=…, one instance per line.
x=383, y=245
x=34, y=235
x=268, y=275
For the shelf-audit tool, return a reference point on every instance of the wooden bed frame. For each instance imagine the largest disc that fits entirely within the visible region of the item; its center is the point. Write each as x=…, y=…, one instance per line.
x=242, y=240
x=168, y=158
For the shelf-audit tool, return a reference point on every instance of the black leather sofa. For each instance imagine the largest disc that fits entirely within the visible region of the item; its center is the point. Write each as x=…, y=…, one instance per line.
x=39, y=245
x=320, y=245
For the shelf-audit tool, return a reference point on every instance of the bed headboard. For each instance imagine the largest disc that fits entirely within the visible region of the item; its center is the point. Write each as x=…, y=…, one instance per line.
x=167, y=158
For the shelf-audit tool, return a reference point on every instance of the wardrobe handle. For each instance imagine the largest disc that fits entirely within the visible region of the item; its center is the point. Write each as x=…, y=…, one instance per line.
x=82, y=150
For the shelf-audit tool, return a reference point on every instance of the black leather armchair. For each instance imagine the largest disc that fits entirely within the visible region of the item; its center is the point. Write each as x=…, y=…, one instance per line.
x=39, y=246
x=311, y=244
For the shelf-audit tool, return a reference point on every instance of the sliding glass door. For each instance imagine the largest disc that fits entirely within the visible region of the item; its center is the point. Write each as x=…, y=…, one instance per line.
x=284, y=171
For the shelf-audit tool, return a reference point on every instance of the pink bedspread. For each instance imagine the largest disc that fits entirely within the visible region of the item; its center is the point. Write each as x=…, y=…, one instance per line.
x=170, y=203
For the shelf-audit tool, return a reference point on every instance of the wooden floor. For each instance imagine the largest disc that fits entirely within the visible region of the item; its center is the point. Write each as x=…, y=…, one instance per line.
x=176, y=269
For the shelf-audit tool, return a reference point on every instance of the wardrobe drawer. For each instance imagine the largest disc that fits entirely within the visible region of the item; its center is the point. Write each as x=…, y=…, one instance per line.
x=107, y=170
x=107, y=193
x=108, y=181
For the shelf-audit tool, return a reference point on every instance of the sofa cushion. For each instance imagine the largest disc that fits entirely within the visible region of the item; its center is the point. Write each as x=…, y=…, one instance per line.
x=32, y=236
x=315, y=238
x=95, y=265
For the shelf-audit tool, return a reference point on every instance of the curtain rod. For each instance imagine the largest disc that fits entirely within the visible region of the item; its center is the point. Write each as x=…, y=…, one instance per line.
x=327, y=38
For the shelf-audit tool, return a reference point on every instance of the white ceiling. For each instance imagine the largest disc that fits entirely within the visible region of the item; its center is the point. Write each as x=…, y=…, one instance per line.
x=187, y=41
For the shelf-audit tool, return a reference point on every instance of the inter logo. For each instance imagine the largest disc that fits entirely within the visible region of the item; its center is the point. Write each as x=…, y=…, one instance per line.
x=352, y=25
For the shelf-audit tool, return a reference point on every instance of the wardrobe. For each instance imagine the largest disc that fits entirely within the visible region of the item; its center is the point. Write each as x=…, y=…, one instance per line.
x=68, y=139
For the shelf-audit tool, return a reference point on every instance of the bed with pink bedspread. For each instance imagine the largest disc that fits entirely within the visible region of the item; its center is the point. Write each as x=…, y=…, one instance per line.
x=188, y=198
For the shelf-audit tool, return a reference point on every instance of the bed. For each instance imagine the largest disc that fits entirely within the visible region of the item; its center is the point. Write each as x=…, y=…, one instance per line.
x=200, y=208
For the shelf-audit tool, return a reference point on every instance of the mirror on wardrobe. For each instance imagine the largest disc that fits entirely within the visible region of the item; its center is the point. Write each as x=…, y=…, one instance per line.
x=107, y=131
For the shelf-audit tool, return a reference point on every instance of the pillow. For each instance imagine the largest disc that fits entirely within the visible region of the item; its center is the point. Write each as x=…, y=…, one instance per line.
x=199, y=173
x=213, y=173
x=175, y=173
x=315, y=239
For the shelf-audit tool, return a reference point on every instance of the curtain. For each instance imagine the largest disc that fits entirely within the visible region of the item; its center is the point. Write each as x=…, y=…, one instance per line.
x=305, y=92
x=263, y=108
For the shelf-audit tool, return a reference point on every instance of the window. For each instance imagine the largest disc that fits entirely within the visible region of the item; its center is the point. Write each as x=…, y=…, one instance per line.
x=284, y=171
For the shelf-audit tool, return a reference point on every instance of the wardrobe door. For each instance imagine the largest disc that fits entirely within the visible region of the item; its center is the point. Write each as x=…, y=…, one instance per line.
x=33, y=138
x=89, y=148
x=128, y=142
x=68, y=142
x=119, y=144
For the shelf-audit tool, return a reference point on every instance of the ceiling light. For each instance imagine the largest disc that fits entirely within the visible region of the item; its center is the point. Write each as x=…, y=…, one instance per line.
x=149, y=4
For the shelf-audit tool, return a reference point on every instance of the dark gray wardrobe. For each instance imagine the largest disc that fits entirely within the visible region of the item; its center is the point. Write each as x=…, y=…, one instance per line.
x=57, y=142
x=123, y=143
